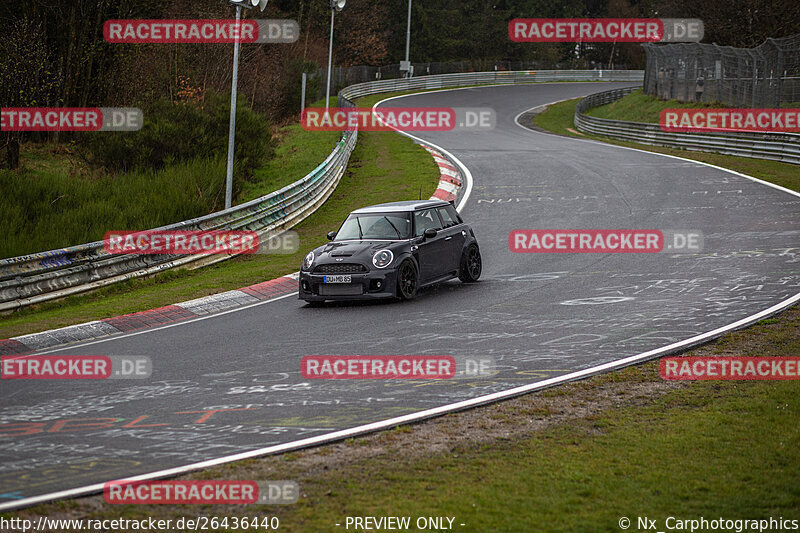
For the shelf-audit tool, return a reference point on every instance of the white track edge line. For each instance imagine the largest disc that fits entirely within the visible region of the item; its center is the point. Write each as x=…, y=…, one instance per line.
x=158, y=328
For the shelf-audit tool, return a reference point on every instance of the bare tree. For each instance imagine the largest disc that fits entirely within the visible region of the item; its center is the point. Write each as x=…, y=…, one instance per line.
x=27, y=75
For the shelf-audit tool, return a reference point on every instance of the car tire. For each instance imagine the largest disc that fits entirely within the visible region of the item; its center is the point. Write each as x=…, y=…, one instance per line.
x=407, y=280
x=471, y=264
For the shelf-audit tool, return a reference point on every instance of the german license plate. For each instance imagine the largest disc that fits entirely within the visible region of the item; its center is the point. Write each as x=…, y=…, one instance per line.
x=336, y=279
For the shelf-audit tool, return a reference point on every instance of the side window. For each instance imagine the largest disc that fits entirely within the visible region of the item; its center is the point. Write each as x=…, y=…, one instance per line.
x=427, y=219
x=454, y=214
x=447, y=217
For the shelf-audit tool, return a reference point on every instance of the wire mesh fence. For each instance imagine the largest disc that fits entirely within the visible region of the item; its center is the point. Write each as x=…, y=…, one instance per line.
x=762, y=77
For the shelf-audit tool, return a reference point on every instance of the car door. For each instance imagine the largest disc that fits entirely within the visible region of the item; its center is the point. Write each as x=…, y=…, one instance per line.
x=454, y=236
x=433, y=253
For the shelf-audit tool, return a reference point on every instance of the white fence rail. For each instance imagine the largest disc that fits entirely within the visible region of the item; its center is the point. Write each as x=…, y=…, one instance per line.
x=784, y=147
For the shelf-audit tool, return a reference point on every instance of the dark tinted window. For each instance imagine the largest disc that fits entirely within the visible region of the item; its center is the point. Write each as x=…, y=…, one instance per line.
x=453, y=213
x=427, y=219
x=447, y=217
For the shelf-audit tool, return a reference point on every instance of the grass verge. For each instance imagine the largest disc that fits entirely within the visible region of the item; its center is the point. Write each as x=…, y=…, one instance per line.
x=558, y=118
x=384, y=167
x=640, y=107
x=298, y=153
x=51, y=202
x=171, y=169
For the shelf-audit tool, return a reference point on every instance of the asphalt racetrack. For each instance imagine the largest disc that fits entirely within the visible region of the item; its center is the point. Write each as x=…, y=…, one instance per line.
x=231, y=383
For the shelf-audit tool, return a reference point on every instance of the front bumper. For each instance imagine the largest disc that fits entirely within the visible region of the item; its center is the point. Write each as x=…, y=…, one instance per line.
x=372, y=285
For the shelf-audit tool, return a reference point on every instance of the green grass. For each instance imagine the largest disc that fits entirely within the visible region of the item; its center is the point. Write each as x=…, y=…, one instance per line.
x=298, y=153
x=640, y=107
x=691, y=453
x=384, y=167
x=369, y=101
x=53, y=202
x=172, y=169
x=558, y=118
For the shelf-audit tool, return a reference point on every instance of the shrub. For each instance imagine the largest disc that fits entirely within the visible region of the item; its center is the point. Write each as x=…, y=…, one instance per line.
x=175, y=132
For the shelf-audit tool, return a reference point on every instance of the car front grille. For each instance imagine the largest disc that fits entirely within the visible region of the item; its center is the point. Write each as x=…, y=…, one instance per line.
x=344, y=289
x=340, y=268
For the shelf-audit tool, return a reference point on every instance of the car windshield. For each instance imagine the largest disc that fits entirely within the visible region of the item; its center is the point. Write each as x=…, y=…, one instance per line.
x=385, y=226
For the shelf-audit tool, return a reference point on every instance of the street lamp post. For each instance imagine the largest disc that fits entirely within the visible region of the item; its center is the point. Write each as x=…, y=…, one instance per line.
x=405, y=66
x=336, y=5
x=408, y=30
x=232, y=124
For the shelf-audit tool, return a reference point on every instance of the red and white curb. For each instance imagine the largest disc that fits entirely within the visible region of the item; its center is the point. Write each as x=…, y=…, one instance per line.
x=449, y=177
x=141, y=320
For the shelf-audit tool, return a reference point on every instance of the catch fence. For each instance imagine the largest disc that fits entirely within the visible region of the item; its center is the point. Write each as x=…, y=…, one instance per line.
x=766, y=76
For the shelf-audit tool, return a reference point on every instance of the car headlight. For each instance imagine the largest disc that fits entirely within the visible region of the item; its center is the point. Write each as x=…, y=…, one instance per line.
x=308, y=261
x=382, y=258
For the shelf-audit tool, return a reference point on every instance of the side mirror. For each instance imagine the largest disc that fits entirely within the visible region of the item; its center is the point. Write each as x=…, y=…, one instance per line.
x=331, y=235
x=430, y=233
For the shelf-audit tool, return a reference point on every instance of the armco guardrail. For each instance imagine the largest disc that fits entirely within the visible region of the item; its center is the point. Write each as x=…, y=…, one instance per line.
x=44, y=276
x=465, y=79
x=784, y=147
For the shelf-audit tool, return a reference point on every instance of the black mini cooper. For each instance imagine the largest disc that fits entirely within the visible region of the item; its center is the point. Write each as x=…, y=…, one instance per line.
x=390, y=251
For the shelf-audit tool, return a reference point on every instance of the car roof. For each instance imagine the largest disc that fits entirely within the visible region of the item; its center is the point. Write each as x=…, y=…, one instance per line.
x=393, y=207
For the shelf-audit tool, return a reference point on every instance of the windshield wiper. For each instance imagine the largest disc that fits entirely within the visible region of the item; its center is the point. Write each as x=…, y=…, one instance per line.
x=393, y=227
x=360, y=233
